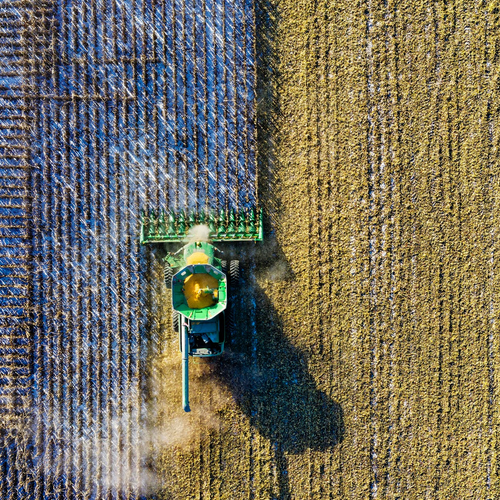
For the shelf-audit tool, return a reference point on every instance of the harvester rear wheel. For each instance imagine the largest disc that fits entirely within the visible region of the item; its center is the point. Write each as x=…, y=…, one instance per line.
x=167, y=274
x=230, y=325
x=234, y=281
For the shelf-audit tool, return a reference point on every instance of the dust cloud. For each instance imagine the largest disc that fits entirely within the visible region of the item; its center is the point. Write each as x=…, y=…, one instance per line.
x=170, y=426
x=200, y=232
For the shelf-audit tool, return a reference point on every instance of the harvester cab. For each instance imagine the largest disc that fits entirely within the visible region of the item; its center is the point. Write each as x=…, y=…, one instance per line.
x=199, y=279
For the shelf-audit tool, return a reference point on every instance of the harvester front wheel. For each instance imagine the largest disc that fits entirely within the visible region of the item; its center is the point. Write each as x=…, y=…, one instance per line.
x=175, y=321
x=167, y=274
x=234, y=273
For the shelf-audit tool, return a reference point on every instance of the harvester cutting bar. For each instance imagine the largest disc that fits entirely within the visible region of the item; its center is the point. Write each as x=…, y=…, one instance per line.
x=231, y=226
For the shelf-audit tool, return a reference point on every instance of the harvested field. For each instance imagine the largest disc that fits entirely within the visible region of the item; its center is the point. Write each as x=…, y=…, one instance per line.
x=366, y=361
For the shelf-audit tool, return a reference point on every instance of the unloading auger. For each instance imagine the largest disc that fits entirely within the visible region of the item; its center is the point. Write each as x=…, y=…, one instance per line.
x=198, y=278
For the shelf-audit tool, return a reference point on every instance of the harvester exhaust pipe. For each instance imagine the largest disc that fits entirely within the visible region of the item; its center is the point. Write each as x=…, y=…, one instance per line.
x=185, y=369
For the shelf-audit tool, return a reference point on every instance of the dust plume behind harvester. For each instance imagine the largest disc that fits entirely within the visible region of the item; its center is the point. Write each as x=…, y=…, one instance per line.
x=199, y=279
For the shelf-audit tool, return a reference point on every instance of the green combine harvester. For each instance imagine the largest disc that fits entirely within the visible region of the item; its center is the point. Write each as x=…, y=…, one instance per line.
x=198, y=279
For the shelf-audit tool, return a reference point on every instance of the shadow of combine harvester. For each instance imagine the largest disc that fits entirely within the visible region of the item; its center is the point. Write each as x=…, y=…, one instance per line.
x=270, y=382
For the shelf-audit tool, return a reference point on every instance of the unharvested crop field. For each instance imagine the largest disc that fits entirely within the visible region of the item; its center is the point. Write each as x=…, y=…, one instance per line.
x=366, y=361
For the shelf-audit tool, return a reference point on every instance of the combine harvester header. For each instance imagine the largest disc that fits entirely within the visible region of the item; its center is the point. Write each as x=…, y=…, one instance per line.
x=173, y=228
